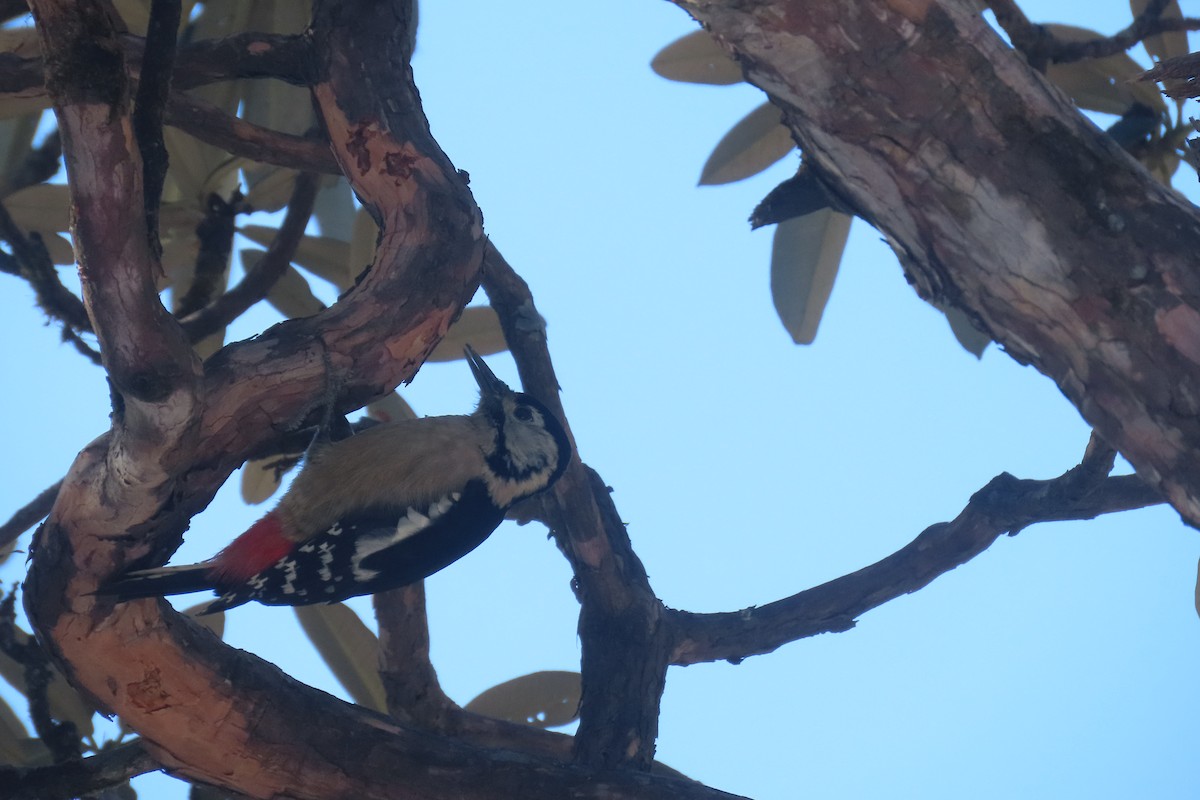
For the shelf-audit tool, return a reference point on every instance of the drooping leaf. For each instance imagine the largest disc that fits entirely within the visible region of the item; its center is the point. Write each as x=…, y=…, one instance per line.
x=1163, y=45
x=973, y=340
x=293, y=297
x=12, y=732
x=290, y=295
x=805, y=257
x=22, y=42
x=542, y=699
x=60, y=250
x=214, y=622
x=261, y=478
x=334, y=209
x=350, y=649
x=390, y=408
x=272, y=190
x=479, y=326
x=696, y=58
x=1108, y=84
x=1198, y=588
x=320, y=255
x=44, y=210
x=16, y=141
x=43, y=207
x=754, y=144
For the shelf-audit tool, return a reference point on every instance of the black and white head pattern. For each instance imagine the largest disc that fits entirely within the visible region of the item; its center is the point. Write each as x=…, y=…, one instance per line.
x=530, y=450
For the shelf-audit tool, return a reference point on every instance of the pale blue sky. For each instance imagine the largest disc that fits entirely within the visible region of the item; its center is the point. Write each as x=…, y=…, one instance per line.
x=1061, y=663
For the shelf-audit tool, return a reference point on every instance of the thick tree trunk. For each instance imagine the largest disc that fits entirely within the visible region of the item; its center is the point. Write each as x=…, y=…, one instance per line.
x=1001, y=199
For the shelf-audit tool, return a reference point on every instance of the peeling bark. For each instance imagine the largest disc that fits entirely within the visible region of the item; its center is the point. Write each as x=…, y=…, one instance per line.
x=1000, y=199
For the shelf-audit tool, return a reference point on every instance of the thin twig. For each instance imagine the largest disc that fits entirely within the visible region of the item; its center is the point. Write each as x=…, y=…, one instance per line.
x=37, y=268
x=38, y=166
x=154, y=87
x=111, y=767
x=215, y=233
x=1005, y=505
x=1040, y=47
x=259, y=280
x=211, y=125
x=624, y=655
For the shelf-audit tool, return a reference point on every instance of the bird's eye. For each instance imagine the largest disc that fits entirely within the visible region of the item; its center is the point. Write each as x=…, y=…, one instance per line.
x=523, y=413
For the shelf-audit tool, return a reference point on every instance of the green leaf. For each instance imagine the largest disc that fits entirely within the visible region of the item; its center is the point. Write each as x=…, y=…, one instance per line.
x=60, y=250
x=479, y=327
x=22, y=42
x=16, y=140
x=12, y=732
x=390, y=408
x=350, y=649
x=292, y=296
x=65, y=702
x=696, y=58
x=805, y=257
x=973, y=340
x=321, y=255
x=214, y=622
x=1198, y=588
x=334, y=209
x=43, y=207
x=1163, y=45
x=542, y=699
x=272, y=190
x=754, y=144
x=261, y=478
x=1108, y=84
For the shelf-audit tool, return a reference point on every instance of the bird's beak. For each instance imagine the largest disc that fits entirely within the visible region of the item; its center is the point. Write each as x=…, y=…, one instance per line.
x=489, y=384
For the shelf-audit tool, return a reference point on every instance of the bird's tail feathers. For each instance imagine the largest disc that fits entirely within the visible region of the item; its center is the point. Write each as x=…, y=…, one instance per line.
x=159, y=581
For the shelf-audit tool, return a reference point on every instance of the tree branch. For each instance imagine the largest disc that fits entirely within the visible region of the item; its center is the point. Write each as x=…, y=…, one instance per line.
x=60, y=738
x=624, y=656
x=1041, y=47
x=215, y=235
x=33, y=263
x=1088, y=294
x=154, y=86
x=28, y=515
x=263, y=275
x=109, y=768
x=212, y=126
x=1005, y=505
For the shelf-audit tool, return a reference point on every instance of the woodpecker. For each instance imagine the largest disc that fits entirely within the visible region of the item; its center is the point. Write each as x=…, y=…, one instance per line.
x=381, y=509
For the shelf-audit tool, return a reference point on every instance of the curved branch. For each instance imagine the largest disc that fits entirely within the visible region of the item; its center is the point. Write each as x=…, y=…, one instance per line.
x=1005, y=505
x=210, y=713
x=259, y=280
x=244, y=55
x=28, y=515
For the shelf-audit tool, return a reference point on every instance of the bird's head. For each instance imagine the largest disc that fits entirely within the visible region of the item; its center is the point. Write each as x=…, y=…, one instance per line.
x=528, y=448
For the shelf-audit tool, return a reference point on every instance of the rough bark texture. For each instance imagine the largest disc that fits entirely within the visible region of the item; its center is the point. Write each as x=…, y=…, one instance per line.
x=913, y=111
x=1001, y=199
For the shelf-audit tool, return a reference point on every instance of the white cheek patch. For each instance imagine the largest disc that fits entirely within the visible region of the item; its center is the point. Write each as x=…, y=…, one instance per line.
x=412, y=523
